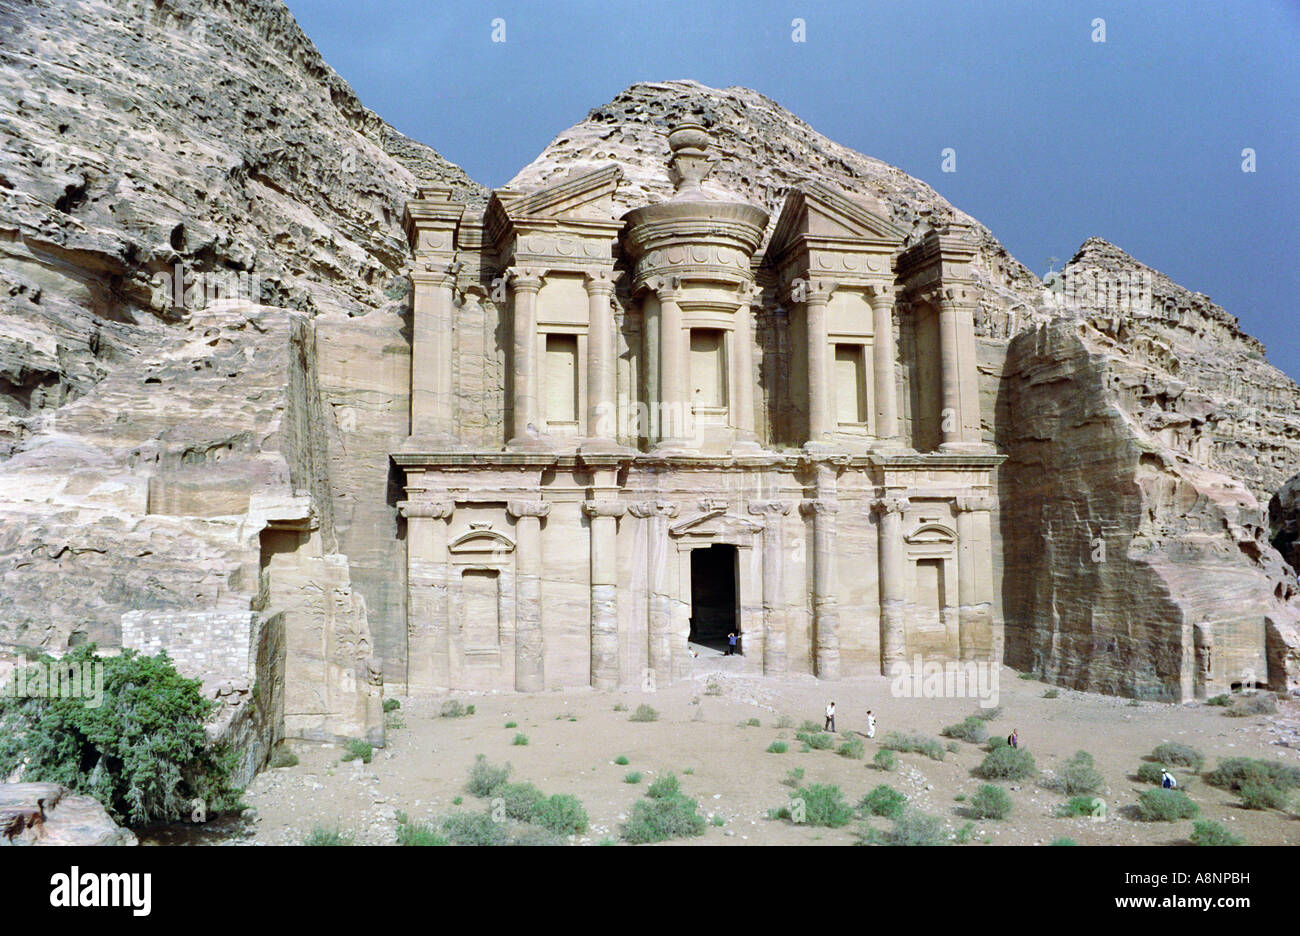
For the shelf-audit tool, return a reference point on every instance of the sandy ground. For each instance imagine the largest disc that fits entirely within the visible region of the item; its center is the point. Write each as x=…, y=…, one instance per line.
x=575, y=735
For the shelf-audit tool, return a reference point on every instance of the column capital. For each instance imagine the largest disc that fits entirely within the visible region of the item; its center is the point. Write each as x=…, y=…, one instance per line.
x=598, y=281
x=762, y=508
x=890, y=504
x=432, y=509
x=653, y=508
x=815, y=291
x=879, y=294
x=525, y=279
x=974, y=502
x=528, y=508
x=604, y=508
x=667, y=288
x=436, y=272
x=819, y=506
x=713, y=504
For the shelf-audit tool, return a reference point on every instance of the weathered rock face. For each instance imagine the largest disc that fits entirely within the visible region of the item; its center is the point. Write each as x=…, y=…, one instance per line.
x=47, y=814
x=232, y=457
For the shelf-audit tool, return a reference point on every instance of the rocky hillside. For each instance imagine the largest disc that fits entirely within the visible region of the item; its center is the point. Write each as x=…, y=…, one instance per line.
x=160, y=155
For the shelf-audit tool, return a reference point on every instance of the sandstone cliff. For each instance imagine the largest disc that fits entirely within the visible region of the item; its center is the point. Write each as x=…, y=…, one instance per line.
x=149, y=444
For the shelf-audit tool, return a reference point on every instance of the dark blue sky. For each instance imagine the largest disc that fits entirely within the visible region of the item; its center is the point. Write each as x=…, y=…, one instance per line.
x=1137, y=140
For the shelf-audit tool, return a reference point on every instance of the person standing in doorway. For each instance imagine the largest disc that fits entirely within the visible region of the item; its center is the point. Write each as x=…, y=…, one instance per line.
x=830, y=717
x=871, y=724
x=731, y=644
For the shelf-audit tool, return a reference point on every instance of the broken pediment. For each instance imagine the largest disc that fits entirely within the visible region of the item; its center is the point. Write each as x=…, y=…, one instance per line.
x=817, y=211
x=580, y=196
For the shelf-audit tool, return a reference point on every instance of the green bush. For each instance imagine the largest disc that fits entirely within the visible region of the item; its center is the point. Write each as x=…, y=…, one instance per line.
x=1007, y=763
x=914, y=744
x=392, y=705
x=1051, y=694
x=1262, y=796
x=914, y=828
x=633, y=777
x=753, y=723
x=854, y=748
x=664, y=813
x=1172, y=753
x=644, y=713
x=1079, y=806
x=358, y=750
x=484, y=779
x=817, y=740
x=884, y=760
x=991, y=802
x=452, y=708
x=1255, y=703
x=1148, y=772
x=521, y=739
x=1222, y=700
x=1205, y=832
x=818, y=805
x=474, y=829
x=1233, y=772
x=622, y=760
x=562, y=814
x=1064, y=841
x=1162, y=805
x=988, y=714
x=777, y=747
x=141, y=750
x=418, y=834
x=884, y=801
x=511, y=724
x=794, y=778
x=522, y=801
x=1078, y=775
x=283, y=757
x=328, y=837
x=971, y=729
x=809, y=725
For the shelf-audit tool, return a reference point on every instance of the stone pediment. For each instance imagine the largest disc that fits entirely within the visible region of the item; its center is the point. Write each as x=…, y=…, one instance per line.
x=716, y=523
x=817, y=211
x=586, y=196
x=930, y=534
x=480, y=541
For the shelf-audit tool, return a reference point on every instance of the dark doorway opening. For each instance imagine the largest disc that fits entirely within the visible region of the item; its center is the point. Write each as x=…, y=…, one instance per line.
x=713, y=596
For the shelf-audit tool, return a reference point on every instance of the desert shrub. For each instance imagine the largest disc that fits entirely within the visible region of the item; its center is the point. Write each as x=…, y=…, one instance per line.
x=997, y=741
x=644, y=713
x=622, y=760
x=418, y=833
x=915, y=828
x=884, y=801
x=1161, y=805
x=520, y=739
x=965, y=834
x=817, y=740
x=1262, y=796
x=914, y=744
x=1255, y=703
x=854, y=748
x=794, y=778
x=283, y=757
x=392, y=705
x=1078, y=775
x=562, y=814
x=784, y=721
x=474, y=829
x=713, y=689
x=753, y=723
x=484, y=779
x=818, y=805
x=1231, y=773
x=884, y=760
x=991, y=802
x=809, y=725
x=1148, y=772
x=140, y=749
x=633, y=777
x=620, y=707
x=1063, y=841
x=1205, y=832
x=988, y=714
x=1181, y=755
x=1079, y=806
x=1051, y=694
x=393, y=721
x=1007, y=763
x=453, y=708
x=328, y=837
x=666, y=786
x=1026, y=676
x=358, y=750
x=1222, y=700
x=511, y=724
x=717, y=821
x=777, y=747
x=971, y=729
x=664, y=813
x=522, y=801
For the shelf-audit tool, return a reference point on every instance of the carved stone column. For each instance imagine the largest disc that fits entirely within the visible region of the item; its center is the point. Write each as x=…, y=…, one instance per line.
x=893, y=591
x=602, y=422
x=774, y=611
x=826, y=618
x=818, y=354
x=604, y=516
x=743, y=339
x=657, y=513
x=882, y=362
x=949, y=374
x=674, y=415
x=427, y=648
x=431, y=349
x=525, y=283
x=975, y=637
x=529, y=672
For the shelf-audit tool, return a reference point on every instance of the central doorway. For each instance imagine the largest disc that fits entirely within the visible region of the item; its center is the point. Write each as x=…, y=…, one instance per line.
x=713, y=596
